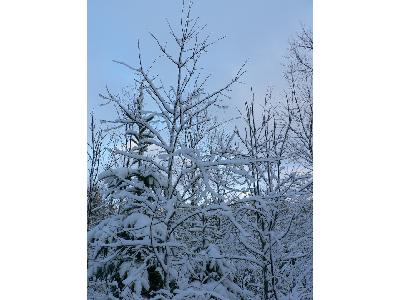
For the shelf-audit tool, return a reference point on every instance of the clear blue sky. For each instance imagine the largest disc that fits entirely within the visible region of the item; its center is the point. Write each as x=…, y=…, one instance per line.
x=257, y=30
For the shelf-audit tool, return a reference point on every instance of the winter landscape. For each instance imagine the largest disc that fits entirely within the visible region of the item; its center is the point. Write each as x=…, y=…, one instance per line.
x=189, y=197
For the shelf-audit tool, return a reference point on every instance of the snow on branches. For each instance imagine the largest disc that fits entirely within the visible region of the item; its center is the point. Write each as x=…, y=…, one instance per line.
x=199, y=212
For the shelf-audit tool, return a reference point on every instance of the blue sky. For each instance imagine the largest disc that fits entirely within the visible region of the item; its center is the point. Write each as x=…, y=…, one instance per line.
x=256, y=30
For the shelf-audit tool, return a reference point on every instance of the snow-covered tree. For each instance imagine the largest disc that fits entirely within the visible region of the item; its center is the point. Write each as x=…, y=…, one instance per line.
x=166, y=184
x=299, y=95
x=97, y=207
x=276, y=188
x=198, y=211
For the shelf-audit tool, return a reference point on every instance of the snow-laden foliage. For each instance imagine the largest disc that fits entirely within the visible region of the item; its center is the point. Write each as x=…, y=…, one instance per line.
x=195, y=211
